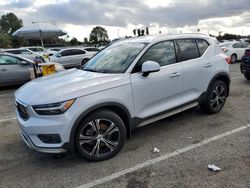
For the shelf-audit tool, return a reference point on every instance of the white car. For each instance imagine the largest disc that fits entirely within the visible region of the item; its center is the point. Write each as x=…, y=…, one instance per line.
x=37, y=50
x=235, y=50
x=126, y=85
x=72, y=57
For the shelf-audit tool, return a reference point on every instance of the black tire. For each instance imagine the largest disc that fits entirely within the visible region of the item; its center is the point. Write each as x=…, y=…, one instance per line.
x=216, y=97
x=102, y=133
x=233, y=58
x=247, y=76
x=84, y=61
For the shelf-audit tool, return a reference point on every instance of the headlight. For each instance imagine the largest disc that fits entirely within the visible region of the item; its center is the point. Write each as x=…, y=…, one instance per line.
x=53, y=108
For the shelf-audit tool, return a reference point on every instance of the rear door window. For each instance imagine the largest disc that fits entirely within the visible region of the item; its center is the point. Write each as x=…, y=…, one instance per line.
x=188, y=49
x=237, y=45
x=202, y=45
x=77, y=52
x=66, y=53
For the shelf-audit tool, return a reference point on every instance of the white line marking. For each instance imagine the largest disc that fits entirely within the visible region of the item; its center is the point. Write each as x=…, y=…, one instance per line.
x=161, y=158
x=7, y=119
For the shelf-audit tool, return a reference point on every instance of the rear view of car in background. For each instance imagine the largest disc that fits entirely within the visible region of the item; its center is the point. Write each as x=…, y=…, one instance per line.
x=235, y=50
x=72, y=57
x=15, y=70
x=245, y=64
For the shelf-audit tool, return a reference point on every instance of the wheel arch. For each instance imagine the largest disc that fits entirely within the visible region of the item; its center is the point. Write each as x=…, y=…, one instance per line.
x=223, y=76
x=119, y=109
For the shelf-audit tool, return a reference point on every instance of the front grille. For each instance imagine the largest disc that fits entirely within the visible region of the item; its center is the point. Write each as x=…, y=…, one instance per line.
x=22, y=111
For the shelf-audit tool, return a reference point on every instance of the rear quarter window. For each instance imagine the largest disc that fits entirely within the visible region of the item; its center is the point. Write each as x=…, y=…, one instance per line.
x=188, y=49
x=202, y=45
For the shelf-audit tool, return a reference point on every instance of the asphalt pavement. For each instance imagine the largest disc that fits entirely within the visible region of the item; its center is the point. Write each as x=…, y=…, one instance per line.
x=188, y=142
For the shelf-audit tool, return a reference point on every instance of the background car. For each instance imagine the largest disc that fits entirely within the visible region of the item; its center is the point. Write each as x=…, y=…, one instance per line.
x=14, y=69
x=235, y=50
x=72, y=57
x=245, y=64
x=91, y=49
x=38, y=50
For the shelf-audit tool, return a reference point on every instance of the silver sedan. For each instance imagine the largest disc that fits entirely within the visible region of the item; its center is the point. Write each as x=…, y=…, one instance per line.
x=14, y=70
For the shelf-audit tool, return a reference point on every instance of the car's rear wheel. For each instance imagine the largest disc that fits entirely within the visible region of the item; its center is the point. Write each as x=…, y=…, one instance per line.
x=216, y=97
x=100, y=136
x=233, y=58
x=84, y=61
x=247, y=76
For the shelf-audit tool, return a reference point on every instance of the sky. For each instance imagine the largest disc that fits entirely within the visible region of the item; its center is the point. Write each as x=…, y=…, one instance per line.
x=120, y=17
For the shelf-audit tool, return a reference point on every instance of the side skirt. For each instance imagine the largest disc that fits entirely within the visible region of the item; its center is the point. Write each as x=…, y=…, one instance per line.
x=151, y=119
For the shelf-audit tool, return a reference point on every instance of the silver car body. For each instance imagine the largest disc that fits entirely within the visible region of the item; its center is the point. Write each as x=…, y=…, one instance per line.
x=72, y=57
x=17, y=71
x=176, y=86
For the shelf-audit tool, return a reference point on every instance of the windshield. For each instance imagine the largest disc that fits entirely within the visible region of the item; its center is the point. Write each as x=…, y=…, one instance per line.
x=115, y=58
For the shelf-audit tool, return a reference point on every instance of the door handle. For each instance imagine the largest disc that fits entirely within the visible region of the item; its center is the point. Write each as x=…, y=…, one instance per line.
x=208, y=65
x=176, y=74
x=3, y=69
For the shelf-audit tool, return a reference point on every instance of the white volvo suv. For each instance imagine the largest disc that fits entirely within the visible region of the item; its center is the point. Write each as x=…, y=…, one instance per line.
x=128, y=84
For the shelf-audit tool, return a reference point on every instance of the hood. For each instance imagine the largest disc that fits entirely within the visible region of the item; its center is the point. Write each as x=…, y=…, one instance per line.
x=67, y=85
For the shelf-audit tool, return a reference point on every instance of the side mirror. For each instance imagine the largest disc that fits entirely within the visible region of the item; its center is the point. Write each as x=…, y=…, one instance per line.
x=24, y=63
x=150, y=66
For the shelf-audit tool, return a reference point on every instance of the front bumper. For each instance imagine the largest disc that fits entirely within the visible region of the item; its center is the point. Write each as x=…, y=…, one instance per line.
x=34, y=126
x=29, y=143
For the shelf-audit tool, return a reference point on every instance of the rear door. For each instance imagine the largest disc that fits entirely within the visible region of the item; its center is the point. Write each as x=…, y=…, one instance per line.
x=238, y=49
x=13, y=71
x=197, y=69
x=78, y=55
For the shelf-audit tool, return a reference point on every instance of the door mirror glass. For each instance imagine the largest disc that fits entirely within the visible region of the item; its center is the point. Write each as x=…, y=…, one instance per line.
x=150, y=66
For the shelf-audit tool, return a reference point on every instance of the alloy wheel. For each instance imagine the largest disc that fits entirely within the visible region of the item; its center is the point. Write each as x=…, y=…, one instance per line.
x=218, y=97
x=99, y=137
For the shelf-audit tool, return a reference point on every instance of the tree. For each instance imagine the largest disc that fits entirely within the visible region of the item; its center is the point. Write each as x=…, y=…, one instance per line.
x=9, y=23
x=147, y=31
x=142, y=32
x=138, y=32
x=5, y=41
x=98, y=35
x=134, y=31
x=74, y=41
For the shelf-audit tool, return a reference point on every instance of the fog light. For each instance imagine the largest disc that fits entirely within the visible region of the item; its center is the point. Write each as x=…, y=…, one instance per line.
x=49, y=138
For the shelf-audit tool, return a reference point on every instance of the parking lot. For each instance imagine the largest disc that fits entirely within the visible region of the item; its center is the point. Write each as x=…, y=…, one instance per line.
x=188, y=142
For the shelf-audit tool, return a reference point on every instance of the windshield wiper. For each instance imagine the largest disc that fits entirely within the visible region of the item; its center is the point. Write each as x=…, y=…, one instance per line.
x=90, y=70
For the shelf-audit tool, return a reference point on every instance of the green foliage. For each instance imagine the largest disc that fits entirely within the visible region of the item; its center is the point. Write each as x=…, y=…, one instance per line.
x=98, y=35
x=9, y=23
x=5, y=41
x=228, y=36
x=74, y=42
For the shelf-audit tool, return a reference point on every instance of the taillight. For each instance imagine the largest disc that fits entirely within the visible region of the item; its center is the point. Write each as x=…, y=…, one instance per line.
x=224, y=50
x=228, y=60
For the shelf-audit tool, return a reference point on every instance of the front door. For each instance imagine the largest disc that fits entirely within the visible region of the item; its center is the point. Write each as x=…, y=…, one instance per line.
x=159, y=91
x=13, y=71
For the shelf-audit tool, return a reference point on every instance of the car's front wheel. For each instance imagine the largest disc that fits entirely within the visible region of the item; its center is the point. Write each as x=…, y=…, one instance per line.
x=100, y=136
x=247, y=76
x=84, y=61
x=216, y=97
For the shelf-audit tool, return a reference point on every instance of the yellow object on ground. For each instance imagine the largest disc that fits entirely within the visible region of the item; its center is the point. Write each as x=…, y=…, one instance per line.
x=48, y=68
